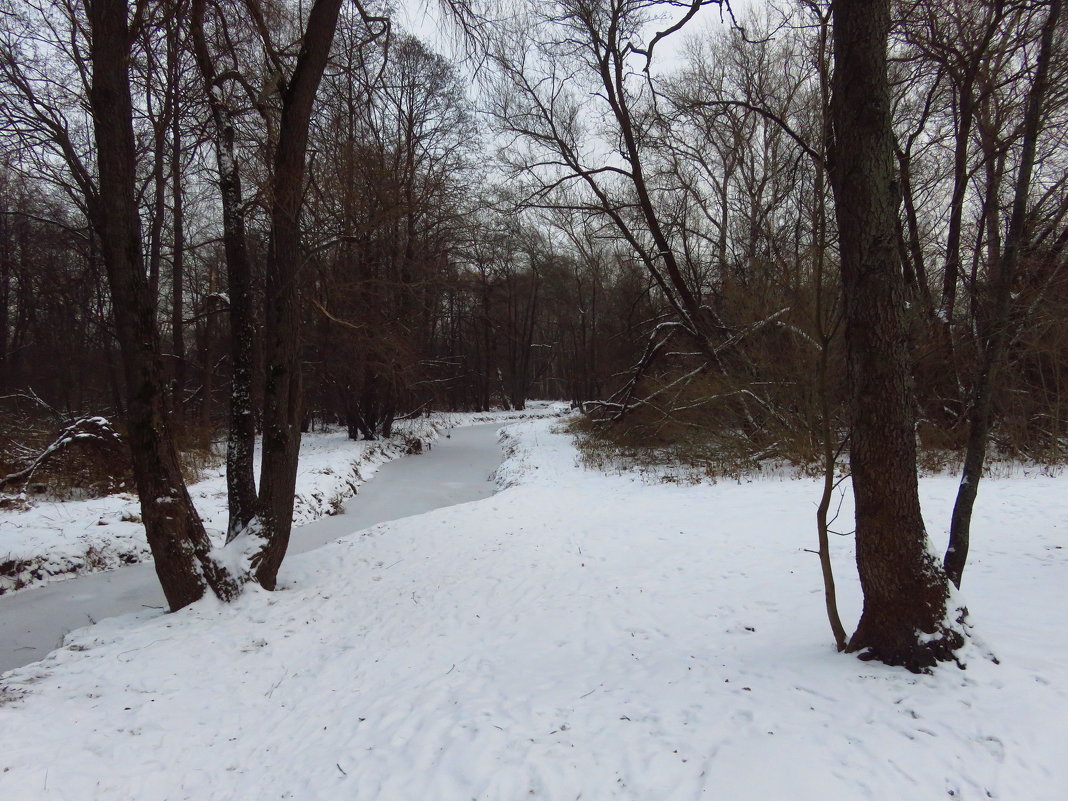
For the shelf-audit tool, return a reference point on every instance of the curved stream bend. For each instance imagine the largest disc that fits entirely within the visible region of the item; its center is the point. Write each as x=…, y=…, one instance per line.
x=456, y=470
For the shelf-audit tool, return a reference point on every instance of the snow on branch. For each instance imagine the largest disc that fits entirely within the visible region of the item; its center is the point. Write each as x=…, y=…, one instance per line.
x=84, y=430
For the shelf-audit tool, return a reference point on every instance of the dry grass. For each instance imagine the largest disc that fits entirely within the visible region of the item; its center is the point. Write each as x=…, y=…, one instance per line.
x=199, y=452
x=690, y=459
x=9, y=695
x=699, y=457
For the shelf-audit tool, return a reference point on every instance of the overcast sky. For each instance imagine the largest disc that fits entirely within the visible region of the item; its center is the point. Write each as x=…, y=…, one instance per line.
x=424, y=18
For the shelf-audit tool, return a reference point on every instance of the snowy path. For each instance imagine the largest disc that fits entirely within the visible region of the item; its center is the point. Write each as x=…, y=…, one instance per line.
x=456, y=470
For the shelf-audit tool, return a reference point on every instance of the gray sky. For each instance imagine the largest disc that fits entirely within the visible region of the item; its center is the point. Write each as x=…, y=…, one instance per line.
x=424, y=18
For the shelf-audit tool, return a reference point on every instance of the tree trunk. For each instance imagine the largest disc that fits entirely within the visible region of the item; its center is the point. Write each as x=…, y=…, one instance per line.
x=826, y=329
x=914, y=244
x=178, y=262
x=966, y=112
x=905, y=590
x=282, y=388
x=180, y=546
x=830, y=460
x=993, y=351
x=241, y=436
x=6, y=271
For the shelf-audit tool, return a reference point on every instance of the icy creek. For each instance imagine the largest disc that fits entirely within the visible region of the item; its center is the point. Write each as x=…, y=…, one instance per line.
x=455, y=470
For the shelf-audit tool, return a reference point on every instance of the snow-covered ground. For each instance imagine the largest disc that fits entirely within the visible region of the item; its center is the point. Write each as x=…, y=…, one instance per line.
x=576, y=636
x=53, y=540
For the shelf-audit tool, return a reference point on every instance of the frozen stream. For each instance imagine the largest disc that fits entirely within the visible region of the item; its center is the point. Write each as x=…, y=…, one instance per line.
x=34, y=622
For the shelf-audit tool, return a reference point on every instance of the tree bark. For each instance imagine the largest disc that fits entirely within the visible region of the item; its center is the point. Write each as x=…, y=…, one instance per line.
x=179, y=544
x=282, y=386
x=905, y=590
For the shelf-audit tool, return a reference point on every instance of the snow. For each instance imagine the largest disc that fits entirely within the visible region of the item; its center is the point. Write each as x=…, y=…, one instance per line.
x=456, y=470
x=575, y=636
x=56, y=540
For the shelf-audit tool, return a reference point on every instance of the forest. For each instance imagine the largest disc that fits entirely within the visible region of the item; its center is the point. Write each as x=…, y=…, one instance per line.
x=774, y=232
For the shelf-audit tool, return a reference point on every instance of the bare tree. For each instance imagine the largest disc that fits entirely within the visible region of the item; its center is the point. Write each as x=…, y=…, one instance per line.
x=282, y=410
x=567, y=161
x=180, y=546
x=905, y=620
x=241, y=431
x=999, y=322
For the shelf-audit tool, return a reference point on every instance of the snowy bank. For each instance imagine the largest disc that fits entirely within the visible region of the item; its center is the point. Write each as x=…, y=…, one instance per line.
x=55, y=540
x=576, y=636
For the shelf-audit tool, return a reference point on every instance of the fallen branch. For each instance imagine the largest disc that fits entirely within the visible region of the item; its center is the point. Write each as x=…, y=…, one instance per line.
x=82, y=430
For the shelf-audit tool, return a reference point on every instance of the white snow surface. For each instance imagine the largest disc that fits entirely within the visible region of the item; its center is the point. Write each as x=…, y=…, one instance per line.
x=576, y=636
x=56, y=540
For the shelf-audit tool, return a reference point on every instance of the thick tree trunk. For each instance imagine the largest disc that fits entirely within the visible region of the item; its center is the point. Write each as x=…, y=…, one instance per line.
x=180, y=547
x=905, y=590
x=282, y=386
x=993, y=351
x=241, y=437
